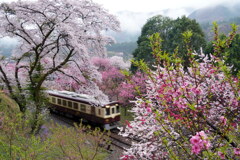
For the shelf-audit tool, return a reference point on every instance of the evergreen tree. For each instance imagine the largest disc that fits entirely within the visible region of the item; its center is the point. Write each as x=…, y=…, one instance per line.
x=230, y=55
x=171, y=33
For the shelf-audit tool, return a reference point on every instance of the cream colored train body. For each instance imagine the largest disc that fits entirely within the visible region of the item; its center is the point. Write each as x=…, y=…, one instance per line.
x=85, y=107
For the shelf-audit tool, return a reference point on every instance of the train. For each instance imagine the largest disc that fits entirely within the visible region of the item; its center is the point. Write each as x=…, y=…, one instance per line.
x=85, y=107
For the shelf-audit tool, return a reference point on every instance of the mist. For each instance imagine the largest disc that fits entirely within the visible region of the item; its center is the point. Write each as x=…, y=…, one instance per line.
x=132, y=22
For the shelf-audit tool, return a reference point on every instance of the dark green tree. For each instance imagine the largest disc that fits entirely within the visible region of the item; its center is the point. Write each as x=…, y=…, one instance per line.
x=231, y=55
x=155, y=24
x=171, y=33
x=180, y=26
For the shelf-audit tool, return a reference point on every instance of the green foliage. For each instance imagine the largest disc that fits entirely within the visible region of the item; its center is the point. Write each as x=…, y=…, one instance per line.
x=39, y=99
x=184, y=24
x=126, y=115
x=171, y=33
x=7, y=104
x=223, y=26
x=155, y=24
x=229, y=137
x=53, y=142
x=226, y=47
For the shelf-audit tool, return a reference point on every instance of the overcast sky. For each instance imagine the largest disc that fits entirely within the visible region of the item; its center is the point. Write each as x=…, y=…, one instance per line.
x=132, y=23
x=156, y=5
x=152, y=5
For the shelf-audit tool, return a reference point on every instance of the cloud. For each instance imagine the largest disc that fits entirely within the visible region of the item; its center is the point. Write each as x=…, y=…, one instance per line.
x=133, y=21
x=8, y=42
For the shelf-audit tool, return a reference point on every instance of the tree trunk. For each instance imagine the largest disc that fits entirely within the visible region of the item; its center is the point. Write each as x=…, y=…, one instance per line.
x=36, y=125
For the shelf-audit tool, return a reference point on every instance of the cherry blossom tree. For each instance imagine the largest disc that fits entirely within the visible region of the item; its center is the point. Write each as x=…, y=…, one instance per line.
x=54, y=36
x=186, y=114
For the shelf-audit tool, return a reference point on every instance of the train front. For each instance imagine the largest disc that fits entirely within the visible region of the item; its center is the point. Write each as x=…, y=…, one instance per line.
x=111, y=115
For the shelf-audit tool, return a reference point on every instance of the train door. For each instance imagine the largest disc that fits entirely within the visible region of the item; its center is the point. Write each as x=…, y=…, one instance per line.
x=92, y=110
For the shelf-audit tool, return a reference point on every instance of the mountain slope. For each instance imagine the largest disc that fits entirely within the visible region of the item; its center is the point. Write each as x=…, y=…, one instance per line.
x=216, y=13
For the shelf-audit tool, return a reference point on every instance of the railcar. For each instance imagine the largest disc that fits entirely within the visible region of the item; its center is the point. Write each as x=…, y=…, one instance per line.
x=84, y=106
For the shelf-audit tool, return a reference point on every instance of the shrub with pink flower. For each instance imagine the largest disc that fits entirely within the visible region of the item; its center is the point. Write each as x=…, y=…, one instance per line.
x=199, y=142
x=112, y=78
x=221, y=155
x=237, y=151
x=223, y=120
x=195, y=112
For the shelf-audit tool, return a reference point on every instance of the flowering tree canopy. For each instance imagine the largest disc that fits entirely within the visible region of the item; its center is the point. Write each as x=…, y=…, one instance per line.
x=186, y=114
x=134, y=87
x=54, y=36
x=110, y=69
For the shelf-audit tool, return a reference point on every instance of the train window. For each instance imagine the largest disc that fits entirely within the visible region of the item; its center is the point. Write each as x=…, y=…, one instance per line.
x=75, y=106
x=53, y=100
x=83, y=108
x=64, y=102
x=99, y=111
x=113, y=110
x=69, y=104
x=118, y=109
x=59, y=101
x=107, y=111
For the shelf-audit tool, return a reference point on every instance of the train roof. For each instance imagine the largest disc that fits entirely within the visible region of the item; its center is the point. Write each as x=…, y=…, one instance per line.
x=79, y=97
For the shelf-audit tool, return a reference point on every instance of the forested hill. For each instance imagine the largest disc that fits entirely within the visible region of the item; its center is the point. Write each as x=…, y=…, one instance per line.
x=223, y=14
x=216, y=13
x=131, y=23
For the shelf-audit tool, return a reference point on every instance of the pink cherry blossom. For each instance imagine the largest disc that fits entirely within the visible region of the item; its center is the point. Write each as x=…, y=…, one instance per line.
x=195, y=140
x=223, y=120
x=202, y=135
x=185, y=103
x=55, y=44
x=196, y=149
x=221, y=155
x=149, y=109
x=236, y=151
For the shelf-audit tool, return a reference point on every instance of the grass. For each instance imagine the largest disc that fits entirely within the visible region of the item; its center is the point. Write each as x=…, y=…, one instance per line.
x=125, y=115
x=55, y=142
x=7, y=104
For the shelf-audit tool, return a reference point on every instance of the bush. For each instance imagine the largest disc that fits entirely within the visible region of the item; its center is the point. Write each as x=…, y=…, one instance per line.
x=187, y=113
x=53, y=141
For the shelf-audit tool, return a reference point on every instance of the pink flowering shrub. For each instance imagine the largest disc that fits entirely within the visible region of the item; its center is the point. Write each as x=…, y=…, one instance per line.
x=112, y=78
x=185, y=114
x=199, y=142
x=133, y=87
x=237, y=151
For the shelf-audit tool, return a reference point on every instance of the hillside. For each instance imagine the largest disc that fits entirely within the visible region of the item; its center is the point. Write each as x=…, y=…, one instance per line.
x=216, y=13
x=224, y=14
x=224, y=27
x=7, y=104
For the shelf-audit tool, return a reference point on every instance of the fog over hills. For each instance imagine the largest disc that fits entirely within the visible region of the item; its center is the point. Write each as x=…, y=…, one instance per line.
x=220, y=12
x=132, y=22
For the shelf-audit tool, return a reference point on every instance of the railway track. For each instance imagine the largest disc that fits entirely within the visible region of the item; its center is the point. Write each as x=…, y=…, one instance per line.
x=116, y=140
x=62, y=120
x=119, y=141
